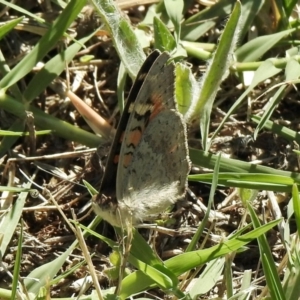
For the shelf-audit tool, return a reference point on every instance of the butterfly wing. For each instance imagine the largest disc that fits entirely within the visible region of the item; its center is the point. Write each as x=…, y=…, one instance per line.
x=105, y=203
x=154, y=164
x=108, y=183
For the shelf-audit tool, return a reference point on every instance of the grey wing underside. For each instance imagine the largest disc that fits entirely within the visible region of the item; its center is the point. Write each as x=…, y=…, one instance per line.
x=157, y=174
x=160, y=83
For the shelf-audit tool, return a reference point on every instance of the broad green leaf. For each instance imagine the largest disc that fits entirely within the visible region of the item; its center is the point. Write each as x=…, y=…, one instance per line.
x=208, y=278
x=292, y=70
x=186, y=90
x=122, y=34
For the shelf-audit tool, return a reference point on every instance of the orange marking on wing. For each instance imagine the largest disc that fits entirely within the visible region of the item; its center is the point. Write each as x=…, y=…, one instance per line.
x=116, y=159
x=158, y=105
x=127, y=160
x=174, y=148
x=134, y=137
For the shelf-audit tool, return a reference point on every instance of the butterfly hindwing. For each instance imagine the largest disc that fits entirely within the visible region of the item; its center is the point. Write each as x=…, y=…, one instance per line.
x=153, y=164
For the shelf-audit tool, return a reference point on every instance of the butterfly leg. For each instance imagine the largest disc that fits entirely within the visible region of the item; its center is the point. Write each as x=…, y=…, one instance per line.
x=126, y=240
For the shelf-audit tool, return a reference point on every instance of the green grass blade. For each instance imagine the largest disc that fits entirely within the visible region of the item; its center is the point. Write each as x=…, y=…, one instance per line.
x=5, y=69
x=197, y=25
x=39, y=277
x=250, y=10
x=22, y=11
x=265, y=71
x=270, y=271
x=137, y=282
x=228, y=275
x=144, y=259
x=271, y=106
x=288, y=6
x=208, y=160
x=289, y=134
x=193, y=259
x=52, y=69
x=122, y=75
x=10, y=25
x=48, y=122
x=255, y=181
x=245, y=286
x=8, y=141
x=157, y=277
x=256, y=48
x=296, y=204
x=291, y=279
x=273, y=282
x=196, y=258
x=17, y=264
x=142, y=251
x=292, y=72
x=45, y=44
x=215, y=72
x=197, y=235
x=11, y=219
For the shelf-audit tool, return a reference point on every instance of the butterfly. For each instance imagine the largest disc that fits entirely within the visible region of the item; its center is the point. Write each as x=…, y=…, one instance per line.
x=148, y=164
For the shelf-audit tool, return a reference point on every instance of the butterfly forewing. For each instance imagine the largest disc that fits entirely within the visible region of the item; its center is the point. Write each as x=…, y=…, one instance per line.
x=155, y=95
x=108, y=183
